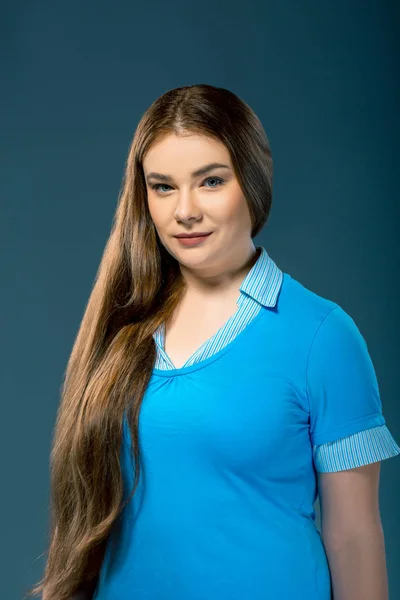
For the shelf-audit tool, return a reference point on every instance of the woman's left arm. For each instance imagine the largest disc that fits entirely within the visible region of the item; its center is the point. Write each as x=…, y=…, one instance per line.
x=352, y=533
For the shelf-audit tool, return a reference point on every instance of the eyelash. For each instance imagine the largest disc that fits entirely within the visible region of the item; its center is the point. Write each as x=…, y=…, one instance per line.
x=220, y=180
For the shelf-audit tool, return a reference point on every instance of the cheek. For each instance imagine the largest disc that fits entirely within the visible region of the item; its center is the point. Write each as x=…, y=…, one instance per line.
x=157, y=212
x=233, y=207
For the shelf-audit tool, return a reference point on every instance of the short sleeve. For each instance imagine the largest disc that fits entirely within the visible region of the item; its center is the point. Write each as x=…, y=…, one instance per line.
x=355, y=450
x=342, y=387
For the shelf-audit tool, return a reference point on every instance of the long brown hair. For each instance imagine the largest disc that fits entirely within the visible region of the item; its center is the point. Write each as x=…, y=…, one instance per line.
x=137, y=287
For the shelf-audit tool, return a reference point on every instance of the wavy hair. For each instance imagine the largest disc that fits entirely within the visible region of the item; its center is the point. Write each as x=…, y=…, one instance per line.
x=137, y=287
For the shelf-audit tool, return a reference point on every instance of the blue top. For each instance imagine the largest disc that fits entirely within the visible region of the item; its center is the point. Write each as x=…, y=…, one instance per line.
x=231, y=443
x=261, y=288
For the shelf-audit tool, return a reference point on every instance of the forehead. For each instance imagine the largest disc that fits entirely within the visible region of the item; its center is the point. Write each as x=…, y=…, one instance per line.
x=184, y=152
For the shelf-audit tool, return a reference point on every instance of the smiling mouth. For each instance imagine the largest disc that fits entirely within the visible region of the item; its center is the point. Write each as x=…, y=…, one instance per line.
x=192, y=235
x=192, y=240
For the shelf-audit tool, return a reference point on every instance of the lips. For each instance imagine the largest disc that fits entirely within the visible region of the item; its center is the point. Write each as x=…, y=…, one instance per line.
x=193, y=240
x=192, y=235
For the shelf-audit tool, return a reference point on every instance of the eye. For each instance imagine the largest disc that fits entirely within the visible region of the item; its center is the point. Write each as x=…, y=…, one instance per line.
x=156, y=186
x=219, y=181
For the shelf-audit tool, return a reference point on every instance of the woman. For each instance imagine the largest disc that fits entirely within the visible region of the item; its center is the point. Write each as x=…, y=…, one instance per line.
x=253, y=394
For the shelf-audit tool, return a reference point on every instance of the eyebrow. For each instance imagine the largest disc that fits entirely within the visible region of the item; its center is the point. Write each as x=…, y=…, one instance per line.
x=197, y=173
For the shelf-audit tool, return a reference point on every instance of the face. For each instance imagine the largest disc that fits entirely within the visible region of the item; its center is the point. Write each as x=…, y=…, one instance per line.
x=183, y=201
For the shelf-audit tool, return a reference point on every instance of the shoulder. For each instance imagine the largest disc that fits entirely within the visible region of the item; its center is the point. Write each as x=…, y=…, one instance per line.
x=304, y=310
x=320, y=330
x=297, y=292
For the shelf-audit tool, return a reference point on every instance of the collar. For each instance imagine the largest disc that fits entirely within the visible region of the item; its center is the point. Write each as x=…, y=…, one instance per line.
x=264, y=280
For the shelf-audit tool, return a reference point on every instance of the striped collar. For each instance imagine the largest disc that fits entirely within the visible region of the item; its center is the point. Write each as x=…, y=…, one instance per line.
x=262, y=283
x=264, y=280
x=260, y=286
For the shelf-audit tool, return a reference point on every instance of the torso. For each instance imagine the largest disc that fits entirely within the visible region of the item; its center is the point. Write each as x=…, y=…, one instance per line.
x=193, y=324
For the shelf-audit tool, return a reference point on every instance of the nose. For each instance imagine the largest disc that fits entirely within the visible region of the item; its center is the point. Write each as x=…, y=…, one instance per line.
x=187, y=208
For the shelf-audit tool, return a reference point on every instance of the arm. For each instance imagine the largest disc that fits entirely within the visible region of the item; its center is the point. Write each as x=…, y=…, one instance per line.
x=352, y=533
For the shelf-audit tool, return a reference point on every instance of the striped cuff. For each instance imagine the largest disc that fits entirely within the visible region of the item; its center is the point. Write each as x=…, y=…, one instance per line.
x=362, y=448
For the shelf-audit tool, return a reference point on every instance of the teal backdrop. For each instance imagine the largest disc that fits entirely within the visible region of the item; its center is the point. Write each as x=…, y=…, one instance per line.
x=77, y=76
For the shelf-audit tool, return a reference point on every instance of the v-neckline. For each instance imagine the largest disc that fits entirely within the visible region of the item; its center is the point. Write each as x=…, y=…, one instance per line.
x=208, y=341
x=201, y=364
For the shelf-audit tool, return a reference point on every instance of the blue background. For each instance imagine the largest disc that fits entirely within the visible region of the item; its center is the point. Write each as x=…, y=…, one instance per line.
x=76, y=78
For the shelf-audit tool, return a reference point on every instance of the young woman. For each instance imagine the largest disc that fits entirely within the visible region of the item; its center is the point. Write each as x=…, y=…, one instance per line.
x=210, y=397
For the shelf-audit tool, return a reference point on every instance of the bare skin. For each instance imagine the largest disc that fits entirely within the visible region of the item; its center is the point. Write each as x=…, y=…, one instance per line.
x=185, y=334
x=215, y=269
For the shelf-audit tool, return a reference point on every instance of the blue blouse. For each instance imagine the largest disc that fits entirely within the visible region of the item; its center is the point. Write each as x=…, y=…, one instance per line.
x=231, y=445
x=261, y=286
